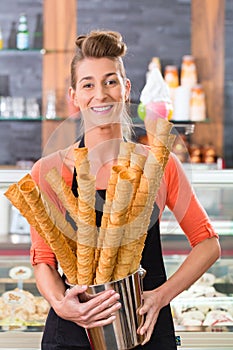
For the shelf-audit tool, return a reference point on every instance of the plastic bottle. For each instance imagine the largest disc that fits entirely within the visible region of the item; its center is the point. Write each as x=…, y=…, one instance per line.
x=22, y=40
x=1, y=39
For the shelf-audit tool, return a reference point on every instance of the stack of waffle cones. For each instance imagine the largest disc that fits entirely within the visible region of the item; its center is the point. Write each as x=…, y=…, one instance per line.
x=86, y=255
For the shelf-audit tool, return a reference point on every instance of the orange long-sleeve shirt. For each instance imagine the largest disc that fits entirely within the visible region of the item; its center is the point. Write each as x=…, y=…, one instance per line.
x=175, y=192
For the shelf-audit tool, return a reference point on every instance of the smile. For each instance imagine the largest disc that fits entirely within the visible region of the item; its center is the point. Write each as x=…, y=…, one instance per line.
x=102, y=109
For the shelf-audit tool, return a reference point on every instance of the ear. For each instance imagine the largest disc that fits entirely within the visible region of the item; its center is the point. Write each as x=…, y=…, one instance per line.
x=72, y=97
x=127, y=90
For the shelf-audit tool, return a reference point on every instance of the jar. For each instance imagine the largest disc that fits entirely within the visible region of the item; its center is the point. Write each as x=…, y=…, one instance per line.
x=171, y=76
x=188, y=75
x=197, y=104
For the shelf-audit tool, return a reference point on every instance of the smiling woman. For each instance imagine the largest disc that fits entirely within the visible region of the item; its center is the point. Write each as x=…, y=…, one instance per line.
x=100, y=91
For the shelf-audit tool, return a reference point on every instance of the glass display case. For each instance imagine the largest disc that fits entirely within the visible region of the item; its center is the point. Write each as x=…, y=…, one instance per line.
x=203, y=315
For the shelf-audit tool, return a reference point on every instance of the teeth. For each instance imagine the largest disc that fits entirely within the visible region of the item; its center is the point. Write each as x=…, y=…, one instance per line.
x=101, y=109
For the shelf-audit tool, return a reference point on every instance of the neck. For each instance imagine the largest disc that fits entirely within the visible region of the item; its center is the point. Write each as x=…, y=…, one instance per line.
x=103, y=149
x=98, y=135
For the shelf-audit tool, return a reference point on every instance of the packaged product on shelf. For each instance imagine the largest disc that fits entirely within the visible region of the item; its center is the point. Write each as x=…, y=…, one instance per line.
x=171, y=77
x=181, y=103
x=1, y=39
x=197, y=103
x=22, y=39
x=188, y=76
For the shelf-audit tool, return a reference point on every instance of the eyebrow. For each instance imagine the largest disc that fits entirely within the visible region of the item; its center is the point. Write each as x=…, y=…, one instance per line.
x=90, y=77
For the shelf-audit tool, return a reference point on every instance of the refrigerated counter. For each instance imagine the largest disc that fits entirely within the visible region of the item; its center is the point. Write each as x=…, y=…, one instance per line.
x=203, y=315
x=215, y=191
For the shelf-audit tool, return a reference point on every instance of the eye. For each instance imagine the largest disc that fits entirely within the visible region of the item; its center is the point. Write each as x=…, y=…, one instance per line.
x=87, y=86
x=111, y=82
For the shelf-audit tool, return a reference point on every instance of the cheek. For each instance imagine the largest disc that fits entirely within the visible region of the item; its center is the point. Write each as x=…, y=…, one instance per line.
x=81, y=101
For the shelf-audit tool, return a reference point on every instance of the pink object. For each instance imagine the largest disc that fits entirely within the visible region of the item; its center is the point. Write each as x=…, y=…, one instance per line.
x=156, y=110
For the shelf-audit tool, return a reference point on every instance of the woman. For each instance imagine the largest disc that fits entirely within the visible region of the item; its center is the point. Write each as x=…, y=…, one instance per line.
x=100, y=90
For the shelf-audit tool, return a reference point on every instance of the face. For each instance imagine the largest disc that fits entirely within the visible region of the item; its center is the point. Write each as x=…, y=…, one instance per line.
x=100, y=92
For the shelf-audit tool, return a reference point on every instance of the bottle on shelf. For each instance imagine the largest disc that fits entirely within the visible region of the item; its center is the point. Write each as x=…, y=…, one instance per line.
x=1, y=39
x=12, y=36
x=197, y=104
x=188, y=76
x=38, y=34
x=51, y=105
x=171, y=76
x=22, y=39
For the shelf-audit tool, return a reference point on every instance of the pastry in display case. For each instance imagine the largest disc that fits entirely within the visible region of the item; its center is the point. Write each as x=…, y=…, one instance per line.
x=203, y=307
x=21, y=305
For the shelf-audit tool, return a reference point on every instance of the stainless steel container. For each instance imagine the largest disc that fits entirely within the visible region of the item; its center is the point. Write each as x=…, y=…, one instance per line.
x=122, y=333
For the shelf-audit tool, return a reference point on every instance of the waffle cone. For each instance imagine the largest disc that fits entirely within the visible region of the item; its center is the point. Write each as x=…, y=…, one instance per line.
x=80, y=157
x=63, y=192
x=60, y=221
x=16, y=198
x=106, y=265
x=171, y=141
x=138, y=253
x=163, y=127
x=24, y=178
x=126, y=148
x=87, y=231
x=85, y=259
x=137, y=161
x=86, y=189
x=125, y=257
x=55, y=238
x=84, y=168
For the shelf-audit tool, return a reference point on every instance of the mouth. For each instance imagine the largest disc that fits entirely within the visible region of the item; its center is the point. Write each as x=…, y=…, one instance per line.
x=102, y=109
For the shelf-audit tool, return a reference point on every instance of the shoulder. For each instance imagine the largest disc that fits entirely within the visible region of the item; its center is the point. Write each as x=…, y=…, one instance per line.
x=62, y=160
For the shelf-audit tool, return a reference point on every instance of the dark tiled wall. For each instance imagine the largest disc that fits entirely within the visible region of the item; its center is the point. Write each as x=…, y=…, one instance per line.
x=228, y=123
x=20, y=75
x=150, y=28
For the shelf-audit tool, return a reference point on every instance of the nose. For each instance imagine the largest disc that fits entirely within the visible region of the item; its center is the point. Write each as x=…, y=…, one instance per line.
x=100, y=92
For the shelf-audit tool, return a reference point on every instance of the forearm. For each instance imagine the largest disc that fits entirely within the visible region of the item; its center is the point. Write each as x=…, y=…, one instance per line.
x=49, y=283
x=199, y=260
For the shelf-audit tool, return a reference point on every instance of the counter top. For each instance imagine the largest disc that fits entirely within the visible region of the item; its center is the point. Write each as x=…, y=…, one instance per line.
x=15, y=244
x=20, y=340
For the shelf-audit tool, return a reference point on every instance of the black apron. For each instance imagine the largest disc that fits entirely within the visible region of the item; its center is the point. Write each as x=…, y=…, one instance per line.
x=60, y=334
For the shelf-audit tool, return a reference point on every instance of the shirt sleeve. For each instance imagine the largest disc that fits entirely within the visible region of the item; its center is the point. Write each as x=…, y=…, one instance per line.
x=178, y=194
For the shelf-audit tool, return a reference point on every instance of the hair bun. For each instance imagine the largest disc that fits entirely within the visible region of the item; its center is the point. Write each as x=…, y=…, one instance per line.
x=101, y=43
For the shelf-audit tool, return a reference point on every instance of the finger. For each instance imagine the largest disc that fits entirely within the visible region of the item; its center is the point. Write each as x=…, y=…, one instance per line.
x=101, y=323
x=104, y=307
x=76, y=290
x=146, y=332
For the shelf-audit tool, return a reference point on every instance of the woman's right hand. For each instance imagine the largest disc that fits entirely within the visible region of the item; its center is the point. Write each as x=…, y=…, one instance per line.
x=98, y=311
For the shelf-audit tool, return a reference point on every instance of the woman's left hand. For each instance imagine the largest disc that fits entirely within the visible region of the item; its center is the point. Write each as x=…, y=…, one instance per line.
x=150, y=309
